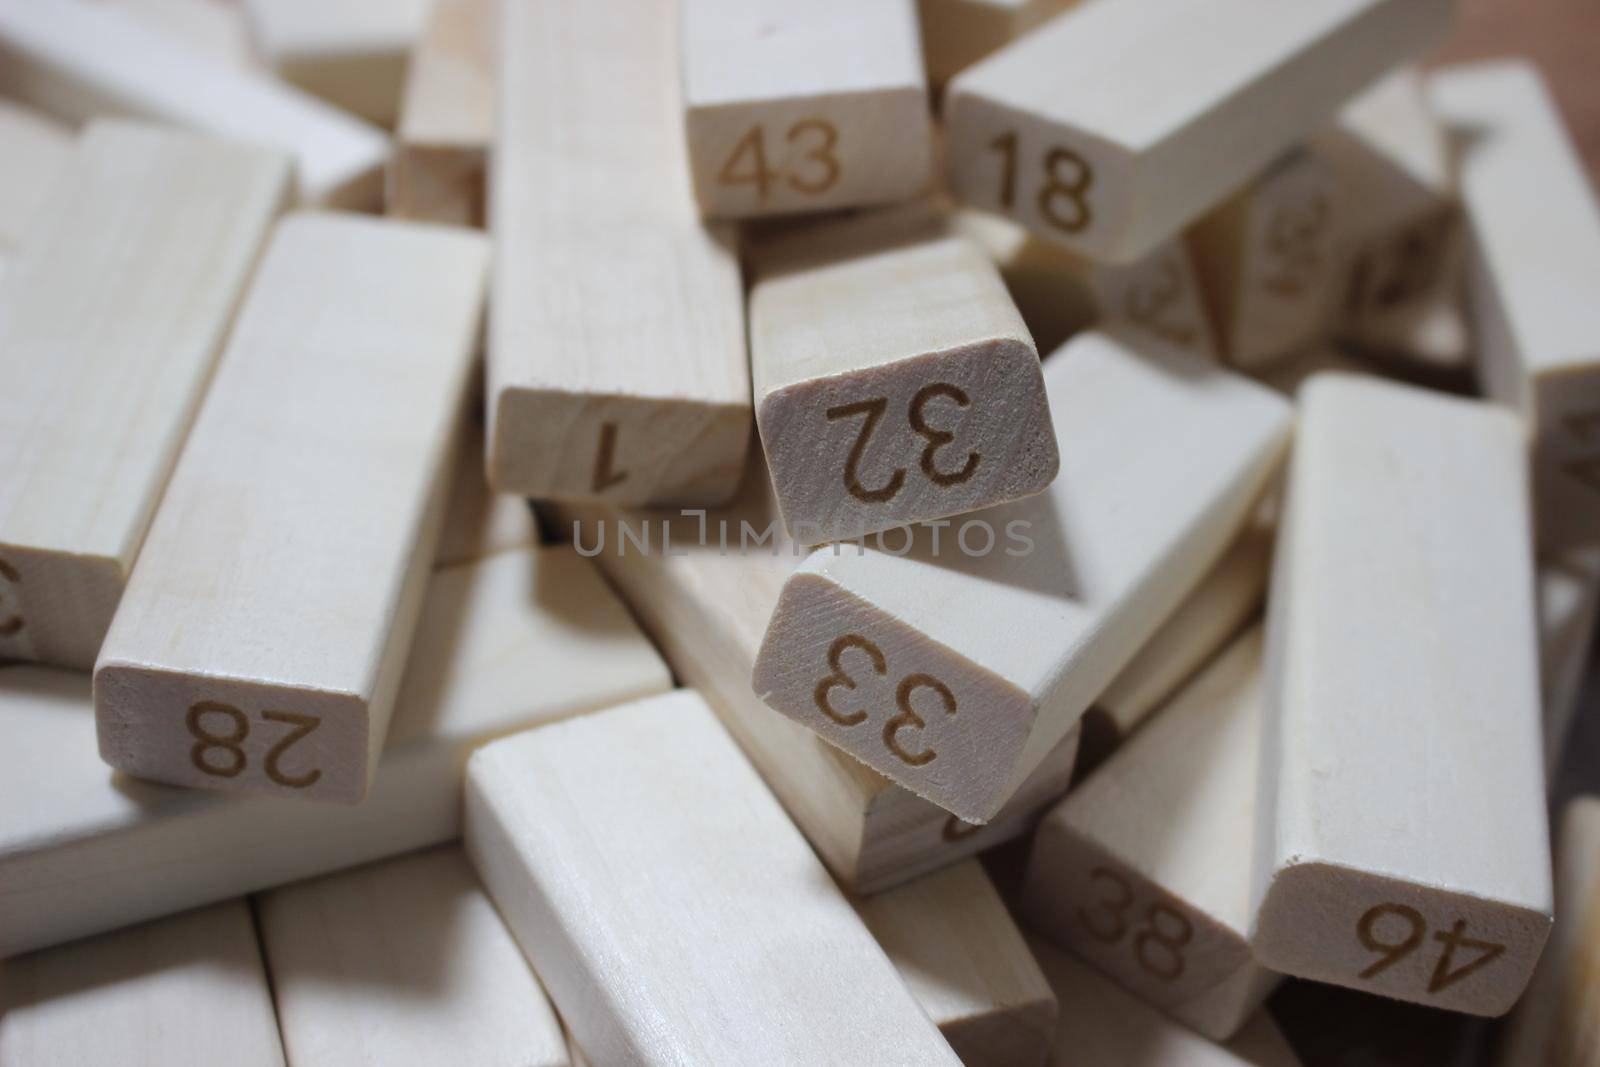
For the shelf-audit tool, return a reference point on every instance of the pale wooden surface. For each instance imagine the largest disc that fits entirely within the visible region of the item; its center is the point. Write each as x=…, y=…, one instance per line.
x=110, y=326
x=1569, y=598
x=77, y=59
x=479, y=522
x=965, y=961
x=1535, y=232
x=894, y=379
x=36, y=149
x=958, y=33
x=441, y=155
x=808, y=107
x=1144, y=869
x=215, y=27
x=518, y=639
x=1126, y=127
x=188, y=991
x=402, y=963
x=640, y=400
x=1162, y=459
x=351, y=53
x=1050, y=285
x=736, y=949
x=1403, y=580
x=284, y=570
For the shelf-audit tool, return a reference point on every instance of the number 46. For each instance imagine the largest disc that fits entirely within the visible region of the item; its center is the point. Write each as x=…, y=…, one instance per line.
x=1392, y=952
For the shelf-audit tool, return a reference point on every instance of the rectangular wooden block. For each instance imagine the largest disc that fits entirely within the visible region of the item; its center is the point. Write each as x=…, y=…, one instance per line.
x=1112, y=127
x=895, y=381
x=188, y=991
x=77, y=59
x=1049, y=284
x=36, y=150
x=1569, y=600
x=110, y=325
x=1144, y=869
x=479, y=522
x=262, y=635
x=1535, y=234
x=807, y=107
x=439, y=172
x=642, y=398
x=520, y=638
x=1401, y=847
x=958, y=33
x=217, y=28
x=403, y=962
x=678, y=966
x=1027, y=611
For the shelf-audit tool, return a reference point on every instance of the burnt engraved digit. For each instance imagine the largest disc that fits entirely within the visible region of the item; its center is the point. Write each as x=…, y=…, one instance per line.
x=1074, y=191
x=936, y=438
x=822, y=153
x=839, y=678
x=303, y=725
x=1006, y=144
x=752, y=144
x=1147, y=305
x=1165, y=960
x=1443, y=976
x=873, y=409
x=908, y=719
x=1391, y=952
x=206, y=740
x=1116, y=908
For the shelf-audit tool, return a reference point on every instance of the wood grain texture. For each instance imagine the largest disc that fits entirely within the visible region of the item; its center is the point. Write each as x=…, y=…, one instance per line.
x=1535, y=231
x=351, y=53
x=804, y=108
x=894, y=379
x=188, y=991
x=1109, y=129
x=1403, y=855
x=958, y=33
x=439, y=172
x=1162, y=459
x=952, y=940
x=217, y=28
x=76, y=60
x=111, y=322
x=518, y=639
x=261, y=637
x=36, y=150
x=640, y=401
x=1144, y=869
x=1569, y=600
x=403, y=962
x=560, y=821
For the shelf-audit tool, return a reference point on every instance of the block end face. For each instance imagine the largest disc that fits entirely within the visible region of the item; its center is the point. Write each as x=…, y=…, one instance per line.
x=56, y=606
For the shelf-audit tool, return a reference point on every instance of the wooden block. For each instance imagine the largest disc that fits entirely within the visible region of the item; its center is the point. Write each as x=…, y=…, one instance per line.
x=965, y=961
x=553, y=816
x=439, y=172
x=346, y=949
x=1110, y=130
x=78, y=59
x=880, y=652
x=895, y=381
x=1049, y=284
x=110, y=326
x=1156, y=304
x=1144, y=869
x=262, y=635
x=217, y=28
x=1569, y=599
x=518, y=639
x=1535, y=232
x=1288, y=378
x=642, y=401
x=479, y=522
x=806, y=108
x=958, y=33
x=188, y=991
x=1403, y=854
x=705, y=598
x=36, y=151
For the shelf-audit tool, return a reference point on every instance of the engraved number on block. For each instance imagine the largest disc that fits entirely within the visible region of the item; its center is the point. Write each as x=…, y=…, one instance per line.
x=1063, y=197
x=917, y=415
x=218, y=749
x=907, y=720
x=816, y=139
x=1150, y=302
x=1394, y=273
x=10, y=621
x=1584, y=427
x=1406, y=931
x=1295, y=236
x=1158, y=941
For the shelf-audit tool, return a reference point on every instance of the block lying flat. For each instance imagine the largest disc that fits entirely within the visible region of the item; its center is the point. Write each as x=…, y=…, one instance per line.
x=217, y=28
x=76, y=59
x=958, y=33
x=36, y=150
x=441, y=155
x=644, y=400
x=1569, y=599
x=807, y=107
x=679, y=967
x=110, y=326
x=1161, y=461
x=1535, y=233
x=894, y=379
x=344, y=951
x=1109, y=130
x=187, y=991
x=1404, y=855
x=1049, y=284
x=479, y=522
x=521, y=638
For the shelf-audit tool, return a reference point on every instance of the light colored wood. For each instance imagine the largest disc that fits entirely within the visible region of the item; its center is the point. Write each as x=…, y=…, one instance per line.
x=1288, y=378
x=1049, y=284
x=1569, y=599
x=439, y=172
x=110, y=325
x=403, y=962
x=807, y=107
x=36, y=150
x=1403, y=582
x=642, y=400
x=705, y=598
x=216, y=28
x=1162, y=459
x=679, y=966
x=958, y=33
x=479, y=522
x=1144, y=869
x=966, y=963
x=188, y=991
x=262, y=634
x=1156, y=304
x=1535, y=233
x=1103, y=1026
x=518, y=639
x=78, y=59
x=1124, y=126
x=895, y=381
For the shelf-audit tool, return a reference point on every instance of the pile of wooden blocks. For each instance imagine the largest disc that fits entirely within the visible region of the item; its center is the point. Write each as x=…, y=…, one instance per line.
x=1240, y=632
